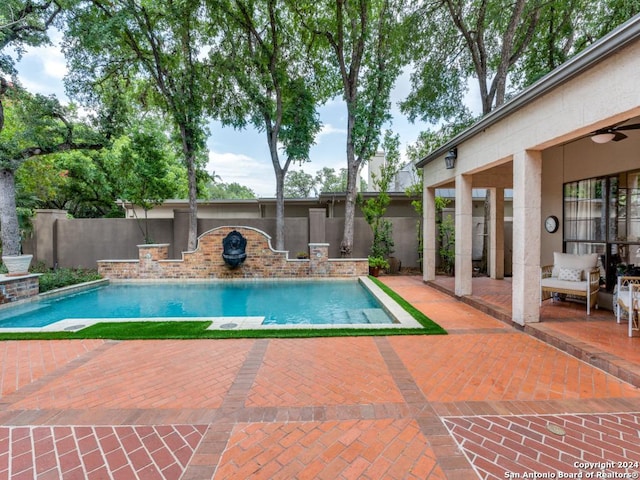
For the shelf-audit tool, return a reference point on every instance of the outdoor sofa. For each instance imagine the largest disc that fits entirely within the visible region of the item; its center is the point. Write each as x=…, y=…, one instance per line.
x=570, y=274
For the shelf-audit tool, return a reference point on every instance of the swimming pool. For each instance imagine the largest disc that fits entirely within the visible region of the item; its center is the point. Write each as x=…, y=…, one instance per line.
x=254, y=303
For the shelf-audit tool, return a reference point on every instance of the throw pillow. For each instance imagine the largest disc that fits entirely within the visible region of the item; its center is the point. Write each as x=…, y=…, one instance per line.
x=570, y=274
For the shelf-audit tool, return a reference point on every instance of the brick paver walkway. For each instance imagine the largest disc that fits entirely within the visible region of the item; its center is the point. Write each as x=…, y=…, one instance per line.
x=485, y=401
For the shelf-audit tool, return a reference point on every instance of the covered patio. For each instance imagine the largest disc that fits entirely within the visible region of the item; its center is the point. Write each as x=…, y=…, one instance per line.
x=576, y=189
x=597, y=338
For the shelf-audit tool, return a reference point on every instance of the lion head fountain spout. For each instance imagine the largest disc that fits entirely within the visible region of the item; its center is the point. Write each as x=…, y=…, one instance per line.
x=234, y=245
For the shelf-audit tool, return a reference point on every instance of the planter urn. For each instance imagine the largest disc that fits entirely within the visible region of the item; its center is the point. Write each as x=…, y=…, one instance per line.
x=17, y=264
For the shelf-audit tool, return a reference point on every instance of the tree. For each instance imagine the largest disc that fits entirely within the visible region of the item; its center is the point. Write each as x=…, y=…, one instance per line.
x=366, y=43
x=375, y=208
x=299, y=184
x=153, y=49
x=268, y=84
x=80, y=182
x=37, y=126
x=565, y=28
x=502, y=45
x=330, y=182
x=457, y=40
x=144, y=165
x=232, y=191
x=22, y=24
x=428, y=141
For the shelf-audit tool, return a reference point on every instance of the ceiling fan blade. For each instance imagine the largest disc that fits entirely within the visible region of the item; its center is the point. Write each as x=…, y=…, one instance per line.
x=635, y=126
x=618, y=136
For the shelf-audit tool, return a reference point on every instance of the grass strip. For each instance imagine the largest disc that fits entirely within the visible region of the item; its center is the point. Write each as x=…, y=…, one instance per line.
x=198, y=329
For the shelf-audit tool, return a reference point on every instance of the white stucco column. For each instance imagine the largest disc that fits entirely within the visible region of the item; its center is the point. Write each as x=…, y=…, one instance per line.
x=496, y=233
x=527, y=193
x=429, y=234
x=464, y=235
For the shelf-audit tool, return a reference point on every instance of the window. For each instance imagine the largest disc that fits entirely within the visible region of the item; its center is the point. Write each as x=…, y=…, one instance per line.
x=602, y=215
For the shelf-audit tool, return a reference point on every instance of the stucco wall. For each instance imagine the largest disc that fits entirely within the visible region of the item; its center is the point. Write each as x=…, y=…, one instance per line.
x=82, y=242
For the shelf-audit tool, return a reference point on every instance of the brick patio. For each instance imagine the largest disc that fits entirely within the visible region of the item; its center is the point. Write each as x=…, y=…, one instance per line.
x=476, y=403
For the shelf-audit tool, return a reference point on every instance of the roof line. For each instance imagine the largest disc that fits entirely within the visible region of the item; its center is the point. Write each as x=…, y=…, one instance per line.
x=614, y=41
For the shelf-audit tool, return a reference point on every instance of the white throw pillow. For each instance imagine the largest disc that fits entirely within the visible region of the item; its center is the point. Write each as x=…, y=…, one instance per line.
x=570, y=274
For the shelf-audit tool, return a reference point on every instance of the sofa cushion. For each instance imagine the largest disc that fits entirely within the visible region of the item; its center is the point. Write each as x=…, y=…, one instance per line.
x=570, y=274
x=568, y=260
x=553, y=284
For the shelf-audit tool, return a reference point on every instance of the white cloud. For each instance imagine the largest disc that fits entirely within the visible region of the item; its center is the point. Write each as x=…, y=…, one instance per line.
x=256, y=174
x=42, y=70
x=328, y=129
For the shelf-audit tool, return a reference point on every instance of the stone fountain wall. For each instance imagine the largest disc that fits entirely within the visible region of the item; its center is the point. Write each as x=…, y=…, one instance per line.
x=206, y=261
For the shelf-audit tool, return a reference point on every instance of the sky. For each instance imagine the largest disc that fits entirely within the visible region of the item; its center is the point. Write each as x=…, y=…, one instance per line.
x=240, y=156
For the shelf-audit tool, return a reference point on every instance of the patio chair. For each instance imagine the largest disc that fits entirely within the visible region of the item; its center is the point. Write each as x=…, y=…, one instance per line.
x=575, y=275
x=628, y=301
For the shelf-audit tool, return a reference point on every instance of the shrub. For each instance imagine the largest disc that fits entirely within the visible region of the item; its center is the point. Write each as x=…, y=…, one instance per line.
x=63, y=277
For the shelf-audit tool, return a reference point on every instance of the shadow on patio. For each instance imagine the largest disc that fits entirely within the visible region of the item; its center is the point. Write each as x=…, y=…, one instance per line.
x=597, y=339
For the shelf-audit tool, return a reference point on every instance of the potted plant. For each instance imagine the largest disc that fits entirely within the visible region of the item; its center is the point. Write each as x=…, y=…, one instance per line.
x=375, y=264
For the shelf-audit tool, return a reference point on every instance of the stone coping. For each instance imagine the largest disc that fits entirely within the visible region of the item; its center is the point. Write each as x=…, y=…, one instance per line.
x=9, y=278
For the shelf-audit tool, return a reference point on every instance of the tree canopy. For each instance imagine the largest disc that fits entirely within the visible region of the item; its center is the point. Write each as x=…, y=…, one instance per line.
x=500, y=45
x=153, y=49
x=231, y=191
x=267, y=82
x=365, y=40
x=35, y=126
x=268, y=64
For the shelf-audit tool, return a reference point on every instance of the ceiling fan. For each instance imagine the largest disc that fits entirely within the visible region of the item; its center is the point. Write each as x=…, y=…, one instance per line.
x=612, y=134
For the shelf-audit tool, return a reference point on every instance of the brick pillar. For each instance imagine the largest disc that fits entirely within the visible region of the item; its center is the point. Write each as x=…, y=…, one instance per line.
x=18, y=288
x=149, y=254
x=318, y=259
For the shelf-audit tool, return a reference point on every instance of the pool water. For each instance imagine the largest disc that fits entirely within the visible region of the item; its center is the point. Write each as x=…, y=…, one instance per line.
x=309, y=302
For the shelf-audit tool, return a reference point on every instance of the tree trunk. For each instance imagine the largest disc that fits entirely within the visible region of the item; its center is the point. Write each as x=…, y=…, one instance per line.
x=192, y=239
x=272, y=129
x=10, y=230
x=346, y=247
x=189, y=153
x=280, y=174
